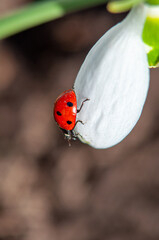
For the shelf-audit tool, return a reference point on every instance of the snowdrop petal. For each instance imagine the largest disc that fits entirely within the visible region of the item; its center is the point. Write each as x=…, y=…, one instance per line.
x=115, y=77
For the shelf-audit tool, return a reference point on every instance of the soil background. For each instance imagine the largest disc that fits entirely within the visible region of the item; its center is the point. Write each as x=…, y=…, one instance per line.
x=49, y=191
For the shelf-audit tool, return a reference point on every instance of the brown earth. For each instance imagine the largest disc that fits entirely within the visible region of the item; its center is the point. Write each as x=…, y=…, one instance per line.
x=49, y=191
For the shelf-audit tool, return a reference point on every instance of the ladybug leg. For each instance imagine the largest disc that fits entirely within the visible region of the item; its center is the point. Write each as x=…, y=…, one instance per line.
x=68, y=136
x=78, y=122
x=78, y=110
x=76, y=135
x=73, y=135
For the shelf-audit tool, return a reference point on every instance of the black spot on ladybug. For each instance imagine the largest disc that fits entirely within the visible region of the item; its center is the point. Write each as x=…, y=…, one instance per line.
x=69, y=104
x=69, y=122
x=58, y=113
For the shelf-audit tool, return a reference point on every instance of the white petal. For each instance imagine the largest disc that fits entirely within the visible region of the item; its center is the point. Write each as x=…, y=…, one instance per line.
x=153, y=11
x=115, y=77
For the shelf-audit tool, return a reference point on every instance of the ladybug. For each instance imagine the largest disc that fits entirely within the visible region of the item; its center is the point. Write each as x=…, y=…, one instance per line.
x=65, y=112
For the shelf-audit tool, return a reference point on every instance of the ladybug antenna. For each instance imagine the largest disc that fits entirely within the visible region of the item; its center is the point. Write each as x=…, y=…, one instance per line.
x=69, y=142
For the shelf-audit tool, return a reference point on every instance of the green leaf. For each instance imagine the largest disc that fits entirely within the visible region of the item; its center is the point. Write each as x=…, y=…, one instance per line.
x=151, y=39
x=41, y=12
x=153, y=2
x=153, y=58
x=122, y=5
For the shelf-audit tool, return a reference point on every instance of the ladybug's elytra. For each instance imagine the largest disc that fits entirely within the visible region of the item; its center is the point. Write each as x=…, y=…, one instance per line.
x=65, y=111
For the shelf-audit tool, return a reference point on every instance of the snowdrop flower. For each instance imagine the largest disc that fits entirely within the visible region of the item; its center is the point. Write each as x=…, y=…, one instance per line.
x=115, y=77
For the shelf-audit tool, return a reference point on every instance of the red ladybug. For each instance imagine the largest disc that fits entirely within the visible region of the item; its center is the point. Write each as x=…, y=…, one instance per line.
x=65, y=111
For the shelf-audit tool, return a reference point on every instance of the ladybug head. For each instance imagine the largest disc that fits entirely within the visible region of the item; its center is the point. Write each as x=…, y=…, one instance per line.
x=69, y=135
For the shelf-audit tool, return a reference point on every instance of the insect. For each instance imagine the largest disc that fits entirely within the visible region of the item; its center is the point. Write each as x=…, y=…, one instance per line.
x=65, y=112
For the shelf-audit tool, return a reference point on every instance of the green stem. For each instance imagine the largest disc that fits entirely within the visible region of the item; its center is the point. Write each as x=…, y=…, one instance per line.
x=41, y=12
x=153, y=2
x=117, y=6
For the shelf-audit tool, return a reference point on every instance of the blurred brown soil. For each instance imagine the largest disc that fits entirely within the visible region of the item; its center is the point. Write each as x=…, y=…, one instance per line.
x=49, y=191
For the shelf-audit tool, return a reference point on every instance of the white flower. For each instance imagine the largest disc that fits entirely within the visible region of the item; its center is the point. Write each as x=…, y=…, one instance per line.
x=115, y=77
